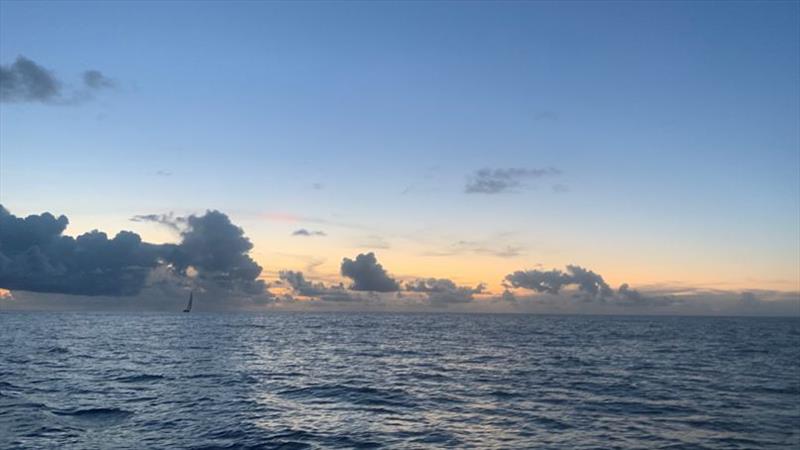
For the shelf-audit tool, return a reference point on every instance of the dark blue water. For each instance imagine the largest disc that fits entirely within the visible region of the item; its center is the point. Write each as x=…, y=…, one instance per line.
x=87, y=381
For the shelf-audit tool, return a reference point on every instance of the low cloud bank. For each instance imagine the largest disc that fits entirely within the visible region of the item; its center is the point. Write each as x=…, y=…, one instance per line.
x=212, y=255
x=589, y=286
x=443, y=292
x=41, y=267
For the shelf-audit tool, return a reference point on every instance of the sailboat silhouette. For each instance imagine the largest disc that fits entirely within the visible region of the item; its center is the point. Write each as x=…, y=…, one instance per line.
x=189, y=305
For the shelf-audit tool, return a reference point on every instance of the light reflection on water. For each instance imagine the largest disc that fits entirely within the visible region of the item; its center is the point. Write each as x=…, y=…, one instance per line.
x=395, y=380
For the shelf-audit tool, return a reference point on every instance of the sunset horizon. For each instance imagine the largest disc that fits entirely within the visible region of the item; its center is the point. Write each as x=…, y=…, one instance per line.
x=258, y=224
x=458, y=293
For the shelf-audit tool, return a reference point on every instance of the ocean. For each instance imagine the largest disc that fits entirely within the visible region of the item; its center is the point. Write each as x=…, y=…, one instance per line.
x=410, y=381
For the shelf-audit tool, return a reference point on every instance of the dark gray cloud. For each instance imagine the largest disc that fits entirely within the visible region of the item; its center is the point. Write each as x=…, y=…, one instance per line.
x=300, y=285
x=549, y=282
x=587, y=282
x=367, y=274
x=318, y=290
x=35, y=256
x=590, y=286
x=213, y=256
x=218, y=251
x=498, y=181
x=26, y=81
x=168, y=220
x=305, y=232
x=443, y=292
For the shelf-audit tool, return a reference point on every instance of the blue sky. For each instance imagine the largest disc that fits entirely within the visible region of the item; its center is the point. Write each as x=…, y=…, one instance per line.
x=674, y=126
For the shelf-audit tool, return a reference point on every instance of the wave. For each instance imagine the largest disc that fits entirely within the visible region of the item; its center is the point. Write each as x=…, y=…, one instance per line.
x=138, y=378
x=57, y=350
x=94, y=417
x=359, y=395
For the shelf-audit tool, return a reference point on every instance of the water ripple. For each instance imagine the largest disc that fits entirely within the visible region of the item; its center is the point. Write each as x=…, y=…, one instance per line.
x=319, y=381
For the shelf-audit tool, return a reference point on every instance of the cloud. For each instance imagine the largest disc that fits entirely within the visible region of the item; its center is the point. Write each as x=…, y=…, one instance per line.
x=367, y=274
x=300, y=285
x=591, y=285
x=304, y=232
x=498, y=181
x=219, y=252
x=44, y=269
x=443, y=292
x=550, y=282
x=168, y=220
x=94, y=79
x=492, y=247
x=35, y=256
x=212, y=256
x=25, y=81
x=317, y=291
x=631, y=297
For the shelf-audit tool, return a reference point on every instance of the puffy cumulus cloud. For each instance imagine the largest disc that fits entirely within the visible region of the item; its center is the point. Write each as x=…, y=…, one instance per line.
x=26, y=81
x=549, y=282
x=443, y=292
x=498, y=181
x=218, y=251
x=35, y=256
x=589, y=282
x=318, y=290
x=308, y=233
x=590, y=285
x=212, y=257
x=367, y=274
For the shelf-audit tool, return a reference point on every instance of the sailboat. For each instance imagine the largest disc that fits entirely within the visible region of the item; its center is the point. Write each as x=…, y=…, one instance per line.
x=189, y=305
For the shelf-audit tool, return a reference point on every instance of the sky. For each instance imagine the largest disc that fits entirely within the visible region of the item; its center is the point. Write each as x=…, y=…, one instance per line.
x=654, y=144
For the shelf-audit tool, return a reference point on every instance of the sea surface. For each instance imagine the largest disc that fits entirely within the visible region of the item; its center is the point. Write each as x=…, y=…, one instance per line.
x=303, y=380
